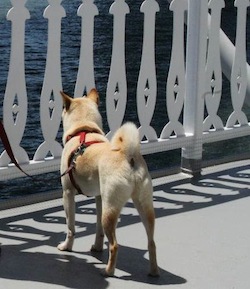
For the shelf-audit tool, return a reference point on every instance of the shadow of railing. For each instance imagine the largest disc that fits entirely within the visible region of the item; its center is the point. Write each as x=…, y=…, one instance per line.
x=210, y=190
x=29, y=251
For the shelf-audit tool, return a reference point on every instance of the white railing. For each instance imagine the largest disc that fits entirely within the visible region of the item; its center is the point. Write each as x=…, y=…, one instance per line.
x=192, y=98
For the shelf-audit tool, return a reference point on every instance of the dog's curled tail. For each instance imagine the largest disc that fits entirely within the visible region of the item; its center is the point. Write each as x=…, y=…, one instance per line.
x=126, y=139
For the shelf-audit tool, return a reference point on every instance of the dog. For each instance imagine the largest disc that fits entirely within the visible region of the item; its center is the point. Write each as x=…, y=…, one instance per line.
x=111, y=171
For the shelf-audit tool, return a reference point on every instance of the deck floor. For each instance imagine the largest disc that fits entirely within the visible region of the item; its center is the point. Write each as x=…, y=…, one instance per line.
x=202, y=236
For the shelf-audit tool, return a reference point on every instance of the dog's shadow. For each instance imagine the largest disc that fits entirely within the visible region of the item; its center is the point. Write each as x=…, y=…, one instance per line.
x=63, y=269
x=133, y=266
x=76, y=270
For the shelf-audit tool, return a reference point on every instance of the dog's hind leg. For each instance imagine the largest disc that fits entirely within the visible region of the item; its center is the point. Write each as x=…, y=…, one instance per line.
x=98, y=245
x=69, y=207
x=109, y=221
x=144, y=205
x=115, y=192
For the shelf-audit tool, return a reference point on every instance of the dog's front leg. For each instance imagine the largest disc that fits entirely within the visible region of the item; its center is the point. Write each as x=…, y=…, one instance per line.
x=98, y=245
x=69, y=207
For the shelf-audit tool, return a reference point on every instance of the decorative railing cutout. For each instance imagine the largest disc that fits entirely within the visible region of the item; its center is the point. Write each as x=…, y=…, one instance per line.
x=174, y=133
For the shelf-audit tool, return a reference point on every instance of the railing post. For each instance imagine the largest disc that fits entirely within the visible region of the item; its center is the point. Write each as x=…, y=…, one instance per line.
x=15, y=104
x=195, y=80
x=85, y=76
x=116, y=95
x=239, y=69
x=51, y=101
x=147, y=83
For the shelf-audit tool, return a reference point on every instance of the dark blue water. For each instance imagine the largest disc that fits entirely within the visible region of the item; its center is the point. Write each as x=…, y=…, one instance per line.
x=35, y=57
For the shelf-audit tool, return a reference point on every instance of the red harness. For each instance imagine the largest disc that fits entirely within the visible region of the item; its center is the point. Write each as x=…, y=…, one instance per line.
x=74, y=154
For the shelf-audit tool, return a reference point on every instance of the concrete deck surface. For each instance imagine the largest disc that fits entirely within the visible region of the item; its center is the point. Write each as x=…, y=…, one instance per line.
x=202, y=236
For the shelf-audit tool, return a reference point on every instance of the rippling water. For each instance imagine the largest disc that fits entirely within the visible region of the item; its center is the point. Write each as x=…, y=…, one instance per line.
x=35, y=56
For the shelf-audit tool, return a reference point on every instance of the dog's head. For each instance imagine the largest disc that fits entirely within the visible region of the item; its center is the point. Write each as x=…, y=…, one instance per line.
x=81, y=111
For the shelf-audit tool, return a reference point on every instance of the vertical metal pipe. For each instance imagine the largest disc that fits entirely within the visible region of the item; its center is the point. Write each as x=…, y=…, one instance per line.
x=195, y=78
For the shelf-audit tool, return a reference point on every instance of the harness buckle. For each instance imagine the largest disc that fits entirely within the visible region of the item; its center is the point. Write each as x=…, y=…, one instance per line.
x=78, y=152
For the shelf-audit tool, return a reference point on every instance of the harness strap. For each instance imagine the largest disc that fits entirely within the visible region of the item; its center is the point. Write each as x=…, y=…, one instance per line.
x=74, y=154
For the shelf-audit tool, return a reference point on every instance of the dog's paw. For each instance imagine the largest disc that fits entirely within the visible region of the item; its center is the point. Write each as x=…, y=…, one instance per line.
x=95, y=248
x=64, y=247
x=106, y=273
x=154, y=273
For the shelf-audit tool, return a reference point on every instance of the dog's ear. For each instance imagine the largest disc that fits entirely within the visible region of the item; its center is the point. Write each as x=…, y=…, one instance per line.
x=66, y=100
x=94, y=95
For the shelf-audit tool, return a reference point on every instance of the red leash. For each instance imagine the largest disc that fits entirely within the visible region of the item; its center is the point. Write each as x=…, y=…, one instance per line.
x=7, y=146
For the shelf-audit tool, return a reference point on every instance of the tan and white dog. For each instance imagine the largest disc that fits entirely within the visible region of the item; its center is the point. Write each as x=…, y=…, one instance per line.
x=112, y=171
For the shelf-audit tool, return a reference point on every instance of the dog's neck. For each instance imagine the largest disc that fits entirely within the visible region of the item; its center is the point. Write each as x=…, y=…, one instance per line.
x=90, y=127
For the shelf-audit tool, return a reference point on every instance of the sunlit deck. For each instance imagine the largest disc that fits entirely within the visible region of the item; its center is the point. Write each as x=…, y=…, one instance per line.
x=202, y=236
